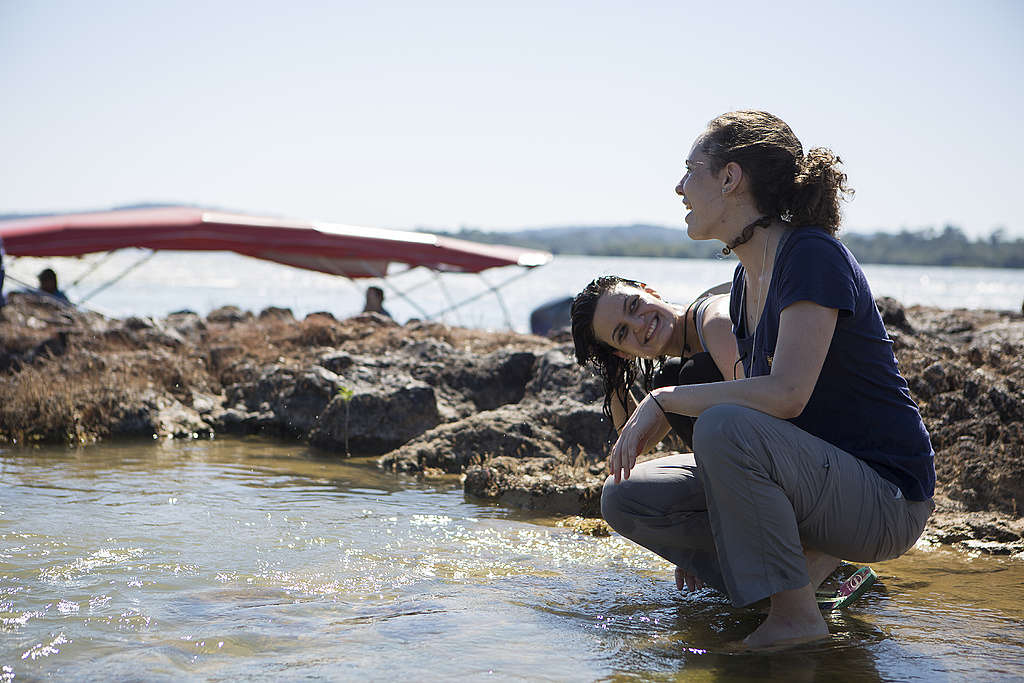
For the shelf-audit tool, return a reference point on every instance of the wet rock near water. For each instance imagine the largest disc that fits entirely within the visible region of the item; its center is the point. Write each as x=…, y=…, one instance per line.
x=512, y=414
x=548, y=484
x=274, y=398
x=966, y=371
x=524, y=431
x=989, y=533
x=376, y=418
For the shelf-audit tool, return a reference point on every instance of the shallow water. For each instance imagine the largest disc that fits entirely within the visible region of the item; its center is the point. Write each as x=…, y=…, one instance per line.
x=235, y=558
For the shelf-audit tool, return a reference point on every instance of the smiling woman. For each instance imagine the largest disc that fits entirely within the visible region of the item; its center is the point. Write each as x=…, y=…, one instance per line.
x=625, y=330
x=638, y=322
x=821, y=438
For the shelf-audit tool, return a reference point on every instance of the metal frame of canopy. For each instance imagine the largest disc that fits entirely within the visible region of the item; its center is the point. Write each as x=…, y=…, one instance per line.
x=352, y=252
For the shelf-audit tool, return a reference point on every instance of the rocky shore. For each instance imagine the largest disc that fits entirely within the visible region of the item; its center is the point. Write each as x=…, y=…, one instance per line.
x=511, y=414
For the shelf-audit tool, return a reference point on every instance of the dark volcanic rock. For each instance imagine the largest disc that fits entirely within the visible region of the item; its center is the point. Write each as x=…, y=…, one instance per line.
x=490, y=381
x=557, y=375
x=967, y=380
x=893, y=314
x=277, y=313
x=505, y=431
x=157, y=414
x=984, y=532
x=134, y=419
x=376, y=418
x=536, y=484
x=228, y=314
x=285, y=401
x=336, y=362
x=581, y=426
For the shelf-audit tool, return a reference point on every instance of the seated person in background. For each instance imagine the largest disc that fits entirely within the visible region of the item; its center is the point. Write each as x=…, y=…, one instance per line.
x=375, y=301
x=48, y=285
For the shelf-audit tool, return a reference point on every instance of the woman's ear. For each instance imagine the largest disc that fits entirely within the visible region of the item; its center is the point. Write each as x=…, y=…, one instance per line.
x=732, y=176
x=623, y=355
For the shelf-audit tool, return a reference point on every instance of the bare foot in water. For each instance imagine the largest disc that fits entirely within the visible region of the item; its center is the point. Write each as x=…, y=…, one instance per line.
x=793, y=618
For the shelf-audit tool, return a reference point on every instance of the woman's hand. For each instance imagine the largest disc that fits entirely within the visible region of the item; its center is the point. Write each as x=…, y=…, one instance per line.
x=690, y=582
x=644, y=428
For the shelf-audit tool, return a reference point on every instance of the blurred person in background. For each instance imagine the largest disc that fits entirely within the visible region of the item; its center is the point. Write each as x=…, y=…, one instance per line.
x=375, y=301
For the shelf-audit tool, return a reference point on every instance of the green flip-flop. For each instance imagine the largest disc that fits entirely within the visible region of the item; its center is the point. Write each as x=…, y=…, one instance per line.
x=849, y=590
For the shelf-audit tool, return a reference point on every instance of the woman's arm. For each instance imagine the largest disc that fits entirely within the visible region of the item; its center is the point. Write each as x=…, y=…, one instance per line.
x=620, y=414
x=805, y=333
x=719, y=340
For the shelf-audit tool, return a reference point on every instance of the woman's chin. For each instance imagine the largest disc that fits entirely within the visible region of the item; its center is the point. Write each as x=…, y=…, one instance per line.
x=692, y=227
x=696, y=234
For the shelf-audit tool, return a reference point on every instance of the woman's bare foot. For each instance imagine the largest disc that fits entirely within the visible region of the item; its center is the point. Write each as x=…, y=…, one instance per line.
x=793, y=618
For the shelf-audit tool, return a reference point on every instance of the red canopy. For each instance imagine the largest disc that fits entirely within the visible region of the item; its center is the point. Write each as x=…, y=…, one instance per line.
x=327, y=247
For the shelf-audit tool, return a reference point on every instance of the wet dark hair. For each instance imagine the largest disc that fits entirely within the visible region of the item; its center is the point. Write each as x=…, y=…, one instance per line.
x=618, y=374
x=800, y=189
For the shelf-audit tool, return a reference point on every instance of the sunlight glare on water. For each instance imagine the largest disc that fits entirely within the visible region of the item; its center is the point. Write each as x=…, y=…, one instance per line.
x=246, y=558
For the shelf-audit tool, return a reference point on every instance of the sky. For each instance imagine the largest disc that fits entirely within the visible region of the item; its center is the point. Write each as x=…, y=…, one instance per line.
x=502, y=115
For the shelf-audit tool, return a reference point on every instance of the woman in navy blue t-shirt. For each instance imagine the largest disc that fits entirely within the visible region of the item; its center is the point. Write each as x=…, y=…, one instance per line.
x=817, y=451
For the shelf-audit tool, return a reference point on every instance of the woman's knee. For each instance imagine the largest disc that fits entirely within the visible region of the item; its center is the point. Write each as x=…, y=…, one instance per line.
x=717, y=424
x=615, y=505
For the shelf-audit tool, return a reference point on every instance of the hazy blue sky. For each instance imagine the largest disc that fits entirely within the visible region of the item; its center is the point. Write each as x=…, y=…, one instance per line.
x=444, y=115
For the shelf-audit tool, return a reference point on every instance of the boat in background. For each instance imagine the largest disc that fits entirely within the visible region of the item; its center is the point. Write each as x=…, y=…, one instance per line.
x=354, y=252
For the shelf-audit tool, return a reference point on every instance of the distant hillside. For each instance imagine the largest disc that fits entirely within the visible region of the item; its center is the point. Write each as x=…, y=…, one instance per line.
x=624, y=240
x=928, y=247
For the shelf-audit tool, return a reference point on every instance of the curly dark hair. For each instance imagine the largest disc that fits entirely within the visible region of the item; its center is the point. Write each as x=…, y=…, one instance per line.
x=800, y=189
x=618, y=374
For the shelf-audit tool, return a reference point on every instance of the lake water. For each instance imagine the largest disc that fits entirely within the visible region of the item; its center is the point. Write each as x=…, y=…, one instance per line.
x=200, y=282
x=250, y=559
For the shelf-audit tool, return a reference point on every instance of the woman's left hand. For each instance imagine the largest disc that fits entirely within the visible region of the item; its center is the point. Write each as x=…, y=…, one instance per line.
x=642, y=430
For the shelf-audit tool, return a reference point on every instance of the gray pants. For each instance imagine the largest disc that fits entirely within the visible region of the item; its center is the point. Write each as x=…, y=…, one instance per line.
x=757, y=490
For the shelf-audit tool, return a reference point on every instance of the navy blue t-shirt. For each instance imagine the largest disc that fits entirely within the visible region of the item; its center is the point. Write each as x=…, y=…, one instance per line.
x=860, y=403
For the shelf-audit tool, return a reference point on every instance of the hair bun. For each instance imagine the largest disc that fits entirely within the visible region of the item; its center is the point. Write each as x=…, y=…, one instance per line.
x=819, y=185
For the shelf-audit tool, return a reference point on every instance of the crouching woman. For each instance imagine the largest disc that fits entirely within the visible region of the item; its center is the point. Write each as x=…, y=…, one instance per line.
x=819, y=452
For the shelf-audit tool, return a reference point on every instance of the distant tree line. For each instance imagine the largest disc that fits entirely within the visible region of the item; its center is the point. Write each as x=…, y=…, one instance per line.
x=950, y=247
x=927, y=247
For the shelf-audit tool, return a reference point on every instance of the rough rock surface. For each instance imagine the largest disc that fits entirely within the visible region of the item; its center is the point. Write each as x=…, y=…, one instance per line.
x=511, y=413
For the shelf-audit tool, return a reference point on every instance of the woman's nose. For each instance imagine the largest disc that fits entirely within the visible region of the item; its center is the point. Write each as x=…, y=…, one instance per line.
x=679, y=188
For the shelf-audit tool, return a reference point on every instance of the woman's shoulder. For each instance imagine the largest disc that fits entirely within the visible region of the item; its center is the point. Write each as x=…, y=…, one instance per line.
x=813, y=233
x=818, y=264
x=817, y=241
